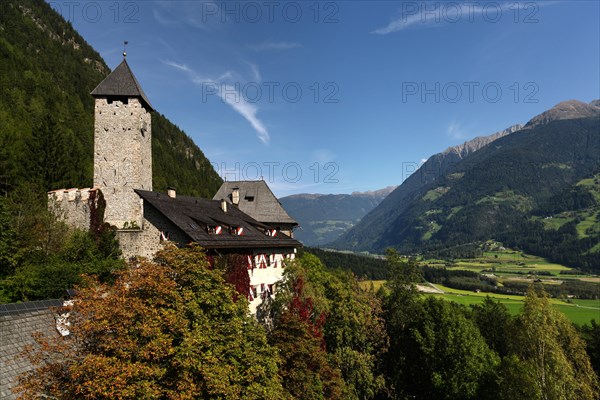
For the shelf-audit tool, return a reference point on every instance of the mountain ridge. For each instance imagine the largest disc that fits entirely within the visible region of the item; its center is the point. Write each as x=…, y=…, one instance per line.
x=323, y=217
x=429, y=171
x=504, y=180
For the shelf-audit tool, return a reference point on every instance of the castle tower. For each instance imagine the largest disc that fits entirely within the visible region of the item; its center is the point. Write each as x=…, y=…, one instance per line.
x=122, y=146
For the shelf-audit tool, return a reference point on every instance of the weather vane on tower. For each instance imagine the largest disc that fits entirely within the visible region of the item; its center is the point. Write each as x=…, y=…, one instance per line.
x=124, y=48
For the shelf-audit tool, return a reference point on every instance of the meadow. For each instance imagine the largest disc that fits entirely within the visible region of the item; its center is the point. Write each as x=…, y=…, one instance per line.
x=578, y=311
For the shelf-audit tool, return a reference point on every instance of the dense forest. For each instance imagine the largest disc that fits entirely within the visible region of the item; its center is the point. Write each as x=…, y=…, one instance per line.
x=46, y=142
x=47, y=114
x=363, y=267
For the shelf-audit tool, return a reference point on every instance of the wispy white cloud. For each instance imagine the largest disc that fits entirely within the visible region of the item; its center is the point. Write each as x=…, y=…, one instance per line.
x=255, y=71
x=230, y=95
x=270, y=46
x=246, y=110
x=192, y=13
x=455, y=131
x=404, y=22
x=281, y=187
x=424, y=15
x=166, y=44
x=181, y=67
x=162, y=17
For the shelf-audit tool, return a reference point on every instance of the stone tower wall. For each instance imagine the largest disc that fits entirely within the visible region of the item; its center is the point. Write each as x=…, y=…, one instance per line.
x=122, y=158
x=72, y=206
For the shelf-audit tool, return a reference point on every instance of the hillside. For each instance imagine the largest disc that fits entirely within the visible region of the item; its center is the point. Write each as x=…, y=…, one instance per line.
x=46, y=112
x=324, y=217
x=535, y=189
x=364, y=235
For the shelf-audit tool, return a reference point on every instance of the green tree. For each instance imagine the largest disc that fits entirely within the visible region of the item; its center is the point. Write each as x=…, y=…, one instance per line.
x=451, y=358
x=299, y=313
x=167, y=329
x=348, y=317
x=355, y=335
x=400, y=298
x=436, y=352
x=8, y=241
x=591, y=335
x=549, y=354
x=305, y=370
x=495, y=324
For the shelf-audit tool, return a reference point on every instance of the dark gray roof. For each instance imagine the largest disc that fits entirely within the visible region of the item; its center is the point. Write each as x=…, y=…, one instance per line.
x=195, y=215
x=121, y=82
x=264, y=206
x=18, y=322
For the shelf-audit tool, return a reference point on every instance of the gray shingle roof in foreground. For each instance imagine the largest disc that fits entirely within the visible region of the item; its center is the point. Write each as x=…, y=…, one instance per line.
x=122, y=83
x=18, y=322
x=195, y=216
x=256, y=200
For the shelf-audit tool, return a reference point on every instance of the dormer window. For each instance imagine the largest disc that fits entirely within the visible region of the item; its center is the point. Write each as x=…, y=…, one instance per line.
x=215, y=230
x=249, y=199
x=239, y=231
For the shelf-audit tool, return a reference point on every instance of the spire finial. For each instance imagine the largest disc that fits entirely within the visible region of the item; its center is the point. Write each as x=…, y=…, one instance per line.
x=124, y=47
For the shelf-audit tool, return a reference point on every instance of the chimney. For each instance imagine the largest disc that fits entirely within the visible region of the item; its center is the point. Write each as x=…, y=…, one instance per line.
x=235, y=196
x=172, y=192
x=224, y=205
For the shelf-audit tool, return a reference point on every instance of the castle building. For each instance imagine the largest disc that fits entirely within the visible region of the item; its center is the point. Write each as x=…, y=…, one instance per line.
x=256, y=199
x=146, y=220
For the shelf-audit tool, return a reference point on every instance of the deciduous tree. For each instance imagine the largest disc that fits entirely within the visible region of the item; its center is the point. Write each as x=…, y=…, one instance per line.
x=550, y=354
x=167, y=329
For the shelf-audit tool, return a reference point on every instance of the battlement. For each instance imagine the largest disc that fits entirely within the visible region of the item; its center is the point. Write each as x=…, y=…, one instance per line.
x=73, y=194
x=72, y=205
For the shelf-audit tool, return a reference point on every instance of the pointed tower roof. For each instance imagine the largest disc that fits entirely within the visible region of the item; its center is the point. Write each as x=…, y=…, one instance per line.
x=121, y=82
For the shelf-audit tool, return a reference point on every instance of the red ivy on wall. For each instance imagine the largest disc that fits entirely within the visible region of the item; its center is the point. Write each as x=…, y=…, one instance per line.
x=236, y=273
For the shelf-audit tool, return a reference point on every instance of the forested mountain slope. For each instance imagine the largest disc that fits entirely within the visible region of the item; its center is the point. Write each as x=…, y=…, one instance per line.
x=536, y=189
x=371, y=227
x=47, y=71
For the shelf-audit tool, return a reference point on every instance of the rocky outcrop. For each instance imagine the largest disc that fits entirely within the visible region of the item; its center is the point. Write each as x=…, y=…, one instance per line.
x=571, y=109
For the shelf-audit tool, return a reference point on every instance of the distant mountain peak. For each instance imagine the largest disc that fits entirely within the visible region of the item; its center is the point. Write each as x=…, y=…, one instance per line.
x=371, y=193
x=468, y=147
x=570, y=109
x=376, y=193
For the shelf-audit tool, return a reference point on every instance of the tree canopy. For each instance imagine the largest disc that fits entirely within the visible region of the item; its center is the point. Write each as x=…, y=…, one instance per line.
x=167, y=328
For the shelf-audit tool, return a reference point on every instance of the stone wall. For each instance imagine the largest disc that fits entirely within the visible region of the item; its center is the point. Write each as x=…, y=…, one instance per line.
x=147, y=240
x=122, y=158
x=72, y=206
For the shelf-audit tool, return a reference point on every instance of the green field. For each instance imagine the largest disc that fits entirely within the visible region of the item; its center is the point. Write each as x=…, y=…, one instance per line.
x=501, y=262
x=511, y=265
x=589, y=223
x=578, y=311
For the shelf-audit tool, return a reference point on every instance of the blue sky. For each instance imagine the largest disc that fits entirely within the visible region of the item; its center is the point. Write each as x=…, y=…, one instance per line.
x=336, y=97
